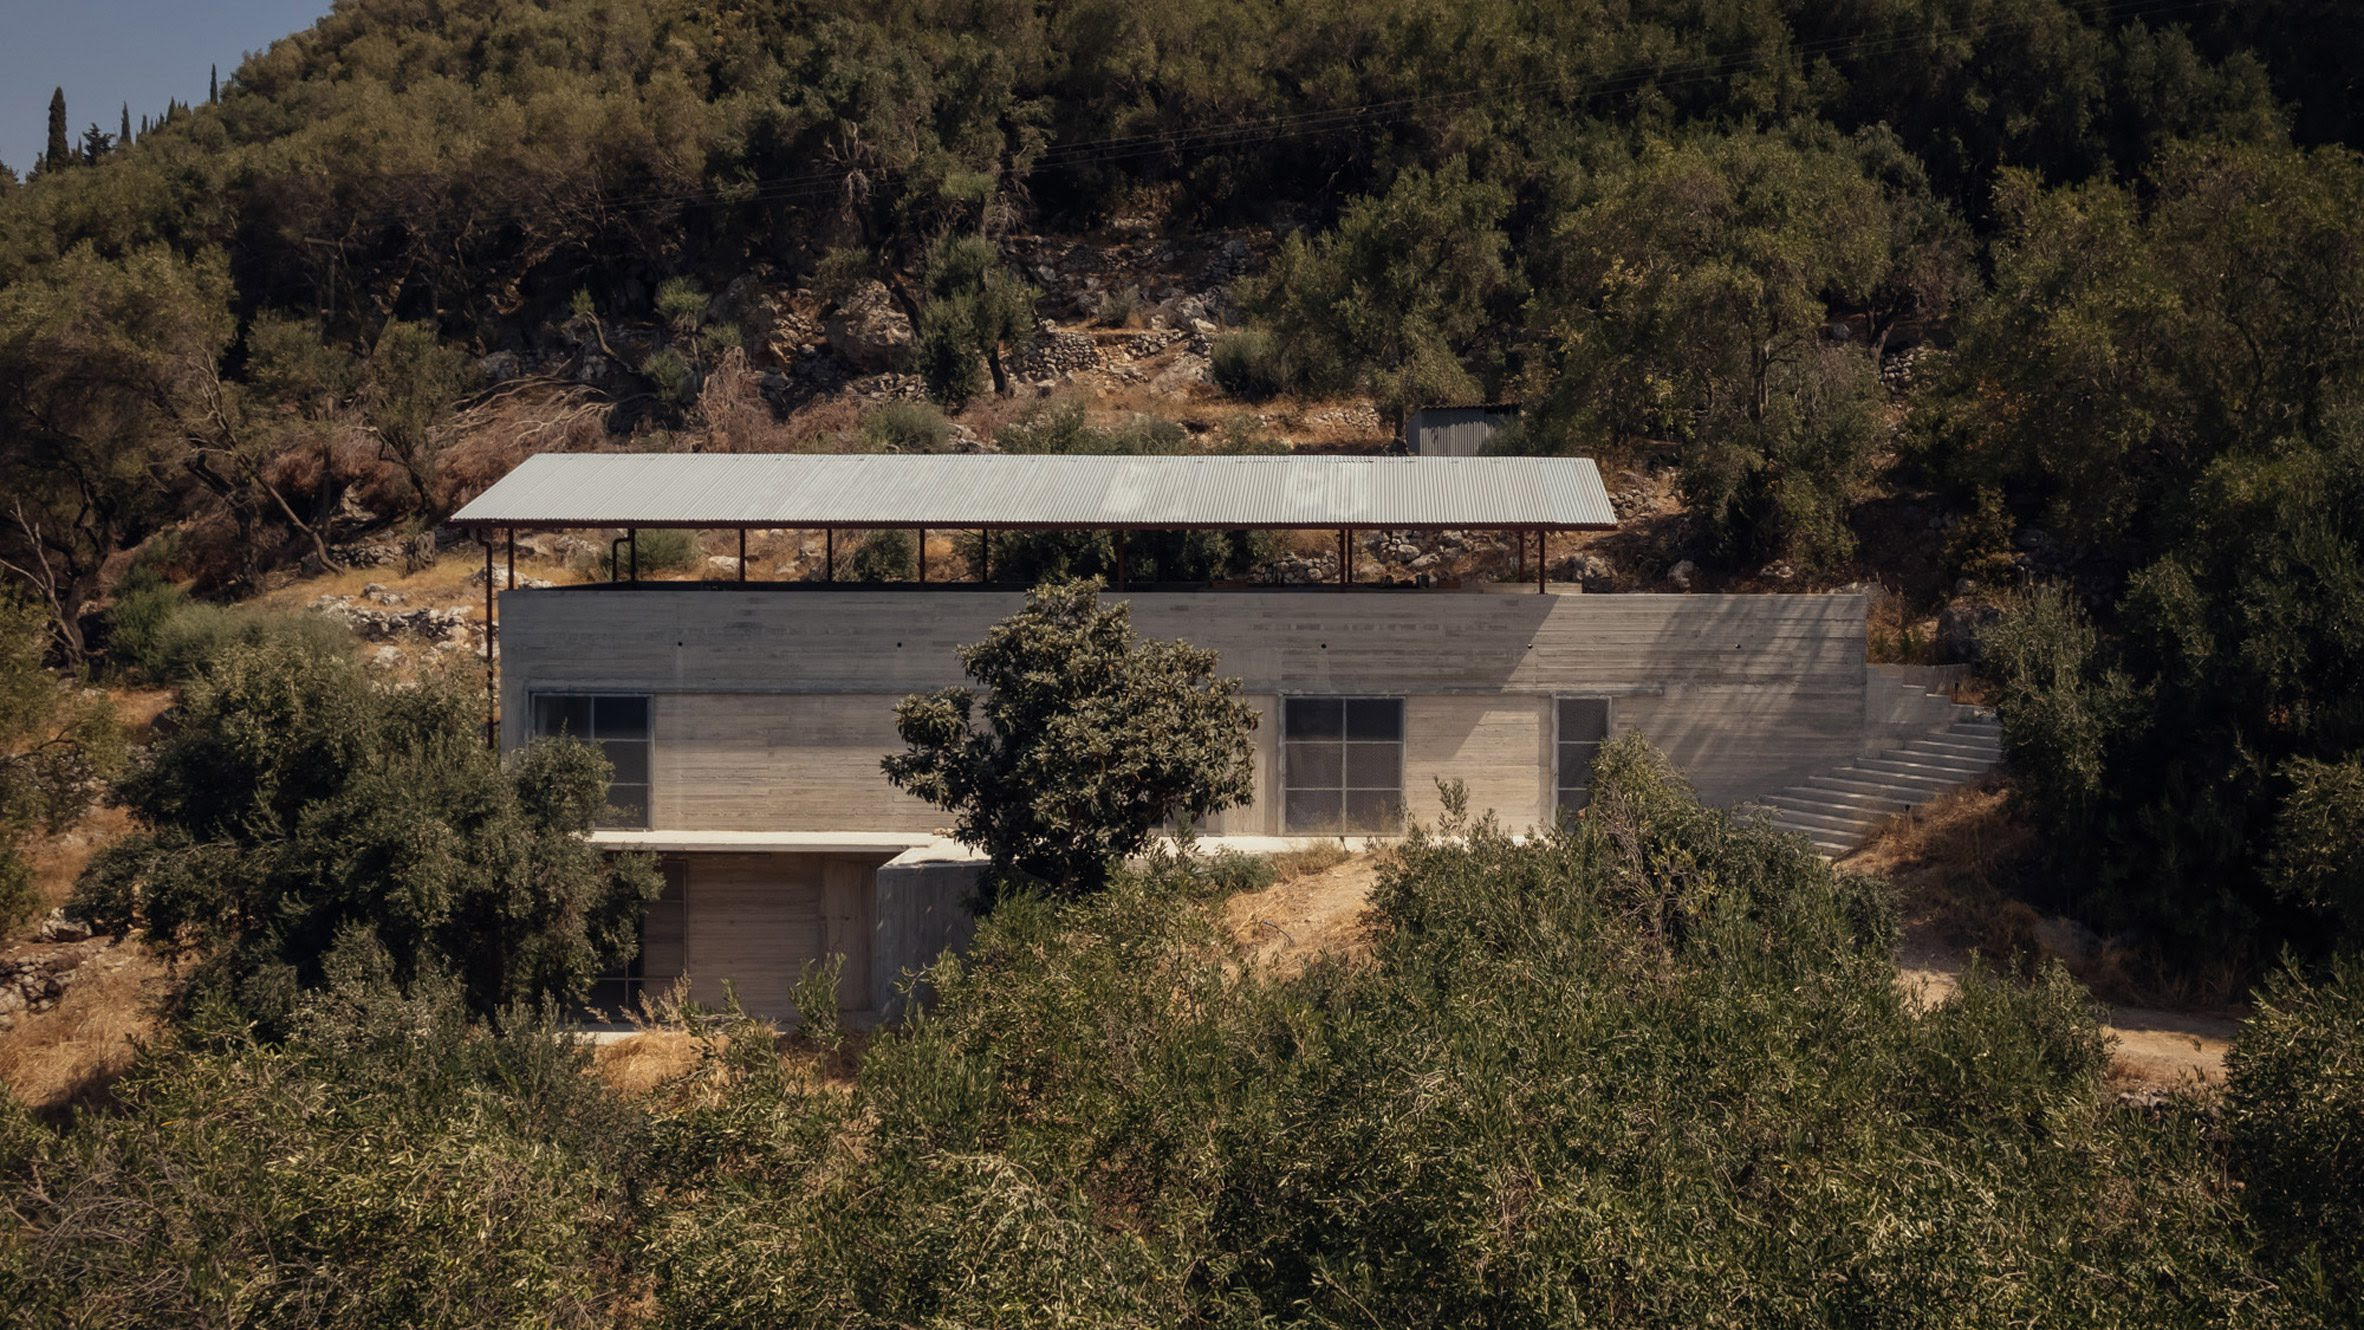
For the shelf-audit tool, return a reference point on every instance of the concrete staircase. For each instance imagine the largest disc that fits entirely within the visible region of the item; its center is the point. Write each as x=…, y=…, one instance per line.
x=1838, y=809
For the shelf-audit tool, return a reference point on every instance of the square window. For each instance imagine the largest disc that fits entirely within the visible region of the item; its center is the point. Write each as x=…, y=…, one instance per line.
x=1316, y=765
x=1374, y=810
x=563, y=715
x=620, y=717
x=1584, y=719
x=1375, y=718
x=1313, y=718
x=629, y=757
x=1374, y=766
x=1315, y=812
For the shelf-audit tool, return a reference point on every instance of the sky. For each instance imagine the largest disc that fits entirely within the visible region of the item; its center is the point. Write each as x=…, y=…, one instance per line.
x=105, y=53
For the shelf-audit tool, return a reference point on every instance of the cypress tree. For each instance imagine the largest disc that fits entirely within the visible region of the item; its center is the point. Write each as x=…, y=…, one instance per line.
x=123, y=139
x=61, y=151
x=213, y=84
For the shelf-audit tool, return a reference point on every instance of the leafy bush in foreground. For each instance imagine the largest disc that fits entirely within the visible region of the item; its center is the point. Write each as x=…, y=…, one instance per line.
x=2295, y=1109
x=1650, y=1070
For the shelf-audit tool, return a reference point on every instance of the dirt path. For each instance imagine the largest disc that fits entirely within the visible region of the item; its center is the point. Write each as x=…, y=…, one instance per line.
x=1286, y=925
x=2151, y=1049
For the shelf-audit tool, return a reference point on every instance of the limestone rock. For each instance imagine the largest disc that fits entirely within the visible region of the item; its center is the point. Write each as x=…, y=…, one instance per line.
x=868, y=330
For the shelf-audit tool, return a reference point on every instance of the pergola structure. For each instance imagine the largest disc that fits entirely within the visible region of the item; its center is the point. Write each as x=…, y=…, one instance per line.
x=1530, y=497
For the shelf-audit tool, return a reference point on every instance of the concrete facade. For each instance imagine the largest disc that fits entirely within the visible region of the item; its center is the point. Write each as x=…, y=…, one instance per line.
x=771, y=707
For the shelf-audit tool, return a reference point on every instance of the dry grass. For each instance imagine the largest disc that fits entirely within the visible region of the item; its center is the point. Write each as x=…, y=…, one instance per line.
x=58, y=860
x=1307, y=913
x=65, y=1057
x=645, y=1059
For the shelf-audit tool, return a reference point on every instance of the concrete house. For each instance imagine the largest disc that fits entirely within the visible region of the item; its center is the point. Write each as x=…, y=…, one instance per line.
x=746, y=720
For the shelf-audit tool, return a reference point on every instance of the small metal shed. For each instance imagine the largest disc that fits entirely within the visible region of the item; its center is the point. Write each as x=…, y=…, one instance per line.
x=1455, y=431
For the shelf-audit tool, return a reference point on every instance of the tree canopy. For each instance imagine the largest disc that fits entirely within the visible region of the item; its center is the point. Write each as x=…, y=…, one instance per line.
x=1087, y=740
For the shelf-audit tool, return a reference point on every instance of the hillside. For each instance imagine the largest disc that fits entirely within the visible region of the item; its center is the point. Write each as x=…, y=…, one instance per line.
x=2043, y=321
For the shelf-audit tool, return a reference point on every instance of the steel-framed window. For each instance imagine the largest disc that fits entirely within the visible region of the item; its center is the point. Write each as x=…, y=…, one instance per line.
x=619, y=724
x=1342, y=765
x=657, y=952
x=1582, y=727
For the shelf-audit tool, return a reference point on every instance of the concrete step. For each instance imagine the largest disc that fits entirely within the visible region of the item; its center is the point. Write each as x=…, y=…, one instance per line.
x=1934, y=779
x=1911, y=795
x=1944, y=770
x=1969, y=767
x=1983, y=749
x=1812, y=799
x=1979, y=725
x=1790, y=819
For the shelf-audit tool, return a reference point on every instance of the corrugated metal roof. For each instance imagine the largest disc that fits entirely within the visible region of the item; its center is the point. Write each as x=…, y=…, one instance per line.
x=1000, y=490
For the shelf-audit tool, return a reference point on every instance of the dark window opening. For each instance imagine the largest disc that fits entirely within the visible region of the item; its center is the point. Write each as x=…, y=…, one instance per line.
x=1342, y=765
x=1583, y=727
x=657, y=959
x=618, y=723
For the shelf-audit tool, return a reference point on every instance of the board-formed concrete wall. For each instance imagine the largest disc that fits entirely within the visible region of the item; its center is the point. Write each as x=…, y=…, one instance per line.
x=774, y=705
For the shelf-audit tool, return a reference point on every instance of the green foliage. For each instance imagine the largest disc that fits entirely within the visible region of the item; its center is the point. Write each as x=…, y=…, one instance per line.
x=1400, y=296
x=906, y=427
x=385, y=1164
x=884, y=556
x=1687, y=292
x=296, y=801
x=663, y=549
x=976, y=314
x=1060, y=427
x=1086, y=741
x=2294, y=1092
x=2316, y=861
x=158, y=634
x=55, y=748
x=1247, y=364
x=1652, y=1065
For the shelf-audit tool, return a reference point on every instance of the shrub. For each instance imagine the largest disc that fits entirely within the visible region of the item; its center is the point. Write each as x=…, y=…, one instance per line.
x=906, y=427
x=387, y=1164
x=664, y=549
x=884, y=556
x=296, y=800
x=158, y=634
x=1247, y=364
x=55, y=747
x=1118, y=308
x=2294, y=1099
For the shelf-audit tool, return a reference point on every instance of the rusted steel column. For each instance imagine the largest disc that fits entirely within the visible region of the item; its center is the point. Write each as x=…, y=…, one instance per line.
x=923, y=556
x=742, y=554
x=512, y=559
x=492, y=695
x=829, y=554
x=1342, y=558
x=1542, y=558
x=1120, y=557
x=984, y=554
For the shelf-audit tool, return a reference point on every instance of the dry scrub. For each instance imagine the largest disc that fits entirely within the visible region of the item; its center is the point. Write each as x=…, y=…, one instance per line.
x=67, y=1056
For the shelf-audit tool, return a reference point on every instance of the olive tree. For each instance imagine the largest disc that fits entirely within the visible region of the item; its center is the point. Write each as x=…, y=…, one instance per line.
x=1088, y=738
x=297, y=801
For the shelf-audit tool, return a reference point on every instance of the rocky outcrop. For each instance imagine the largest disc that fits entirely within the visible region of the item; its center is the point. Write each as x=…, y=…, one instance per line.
x=456, y=626
x=869, y=331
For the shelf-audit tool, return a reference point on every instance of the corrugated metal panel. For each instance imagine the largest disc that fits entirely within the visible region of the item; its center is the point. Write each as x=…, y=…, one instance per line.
x=812, y=490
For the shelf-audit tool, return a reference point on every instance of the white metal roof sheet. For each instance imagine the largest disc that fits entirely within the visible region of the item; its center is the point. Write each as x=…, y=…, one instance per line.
x=1003, y=490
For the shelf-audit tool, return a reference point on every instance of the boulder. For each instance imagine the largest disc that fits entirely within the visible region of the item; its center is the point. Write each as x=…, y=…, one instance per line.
x=868, y=331
x=58, y=927
x=1682, y=574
